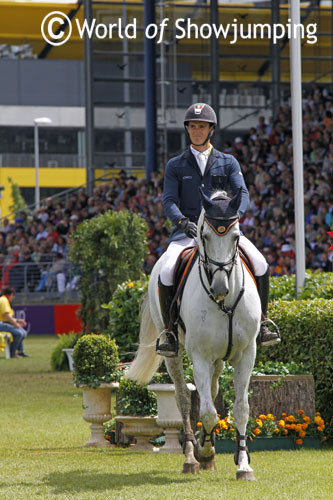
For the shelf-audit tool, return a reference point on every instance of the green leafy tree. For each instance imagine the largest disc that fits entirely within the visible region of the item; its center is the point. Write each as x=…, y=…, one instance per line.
x=124, y=316
x=109, y=250
x=18, y=200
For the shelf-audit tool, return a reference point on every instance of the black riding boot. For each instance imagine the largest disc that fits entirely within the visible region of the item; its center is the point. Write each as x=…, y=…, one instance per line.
x=266, y=337
x=169, y=348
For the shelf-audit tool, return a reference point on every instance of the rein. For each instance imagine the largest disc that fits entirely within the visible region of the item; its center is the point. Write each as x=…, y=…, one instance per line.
x=204, y=262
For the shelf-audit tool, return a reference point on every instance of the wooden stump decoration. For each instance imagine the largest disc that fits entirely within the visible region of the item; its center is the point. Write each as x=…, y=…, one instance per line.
x=296, y=392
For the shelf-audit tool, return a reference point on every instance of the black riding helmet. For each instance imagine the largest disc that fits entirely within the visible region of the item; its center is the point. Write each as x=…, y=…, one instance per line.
x=200, y=112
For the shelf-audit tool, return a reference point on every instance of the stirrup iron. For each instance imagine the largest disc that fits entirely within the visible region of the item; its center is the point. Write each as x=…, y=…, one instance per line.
x=166, y=353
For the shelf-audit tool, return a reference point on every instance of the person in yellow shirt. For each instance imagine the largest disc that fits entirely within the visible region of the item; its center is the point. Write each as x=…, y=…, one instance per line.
x=10, y=324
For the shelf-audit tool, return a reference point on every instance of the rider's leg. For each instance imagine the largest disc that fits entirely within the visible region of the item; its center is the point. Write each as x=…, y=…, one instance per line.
x=165, y=286
x=261, y=271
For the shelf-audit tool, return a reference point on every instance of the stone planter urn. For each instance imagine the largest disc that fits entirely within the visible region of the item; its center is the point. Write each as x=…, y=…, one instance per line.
x=69, y=354
x=142, y=428
x=97, y=410
x=169, y=417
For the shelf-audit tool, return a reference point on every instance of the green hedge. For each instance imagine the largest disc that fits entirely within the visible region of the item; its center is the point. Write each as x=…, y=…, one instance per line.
x=306, y=328
x=317, y=286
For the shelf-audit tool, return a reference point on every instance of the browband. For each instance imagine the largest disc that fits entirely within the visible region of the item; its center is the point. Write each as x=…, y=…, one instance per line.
x=221, y=226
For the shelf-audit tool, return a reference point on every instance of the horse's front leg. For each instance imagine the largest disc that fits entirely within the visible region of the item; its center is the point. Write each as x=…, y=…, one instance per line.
x=183, y=398
x=204, y=381
x=242, y=374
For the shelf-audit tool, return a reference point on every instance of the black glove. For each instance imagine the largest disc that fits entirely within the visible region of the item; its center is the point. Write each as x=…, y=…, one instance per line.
x=189, y=228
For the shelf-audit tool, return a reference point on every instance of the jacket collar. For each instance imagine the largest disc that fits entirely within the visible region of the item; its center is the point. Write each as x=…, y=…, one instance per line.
x=211, y=160
x=189, y=156
x=191, y=159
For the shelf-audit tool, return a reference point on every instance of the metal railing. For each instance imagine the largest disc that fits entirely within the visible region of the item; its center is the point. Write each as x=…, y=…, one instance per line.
x=37, y=279
x=45, y=160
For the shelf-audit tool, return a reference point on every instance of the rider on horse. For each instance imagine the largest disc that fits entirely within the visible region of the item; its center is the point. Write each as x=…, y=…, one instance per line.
x=184, y=174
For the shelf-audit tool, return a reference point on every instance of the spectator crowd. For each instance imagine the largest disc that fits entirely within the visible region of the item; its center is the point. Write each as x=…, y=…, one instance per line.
x=265, y=154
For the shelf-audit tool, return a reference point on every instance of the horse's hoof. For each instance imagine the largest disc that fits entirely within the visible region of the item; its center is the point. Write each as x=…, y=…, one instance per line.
x=245, y=475
x=191, y=468
x=208, y=465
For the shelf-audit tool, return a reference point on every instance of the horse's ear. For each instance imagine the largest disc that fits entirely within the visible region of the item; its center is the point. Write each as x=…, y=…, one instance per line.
x=206, y=202
x=236, y=200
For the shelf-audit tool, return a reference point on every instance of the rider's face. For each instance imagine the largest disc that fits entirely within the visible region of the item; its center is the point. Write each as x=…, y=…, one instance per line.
x=198, y=131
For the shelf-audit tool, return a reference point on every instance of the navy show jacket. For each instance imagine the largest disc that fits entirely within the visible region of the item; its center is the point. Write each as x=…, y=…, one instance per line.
x=183, y=178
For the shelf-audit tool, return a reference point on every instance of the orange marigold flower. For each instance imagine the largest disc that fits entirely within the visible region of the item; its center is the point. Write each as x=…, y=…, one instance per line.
x=293, y=427
x=282, y=424
x=288, y=426
x=299, y=441
x=284, y=415
x=318, y=413
x=305, y=426
x=130, y=285
x=298, y=427
x=285, y=432
x=256, y=431
x=301, y=412
x=259, y=422
x=270, y=417
x=199, y=424
x=277, y=430
x=320, y=429
x=231, y=429
x=217, y=430
x=291, y=418
x=307, y=419
x=262, y=417
x=302, y=434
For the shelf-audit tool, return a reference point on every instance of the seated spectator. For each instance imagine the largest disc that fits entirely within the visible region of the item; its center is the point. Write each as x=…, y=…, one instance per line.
x=57, y=268
x=12, y=325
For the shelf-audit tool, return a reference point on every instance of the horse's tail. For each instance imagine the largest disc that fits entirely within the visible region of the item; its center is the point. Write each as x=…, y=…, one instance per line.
x=146, y=361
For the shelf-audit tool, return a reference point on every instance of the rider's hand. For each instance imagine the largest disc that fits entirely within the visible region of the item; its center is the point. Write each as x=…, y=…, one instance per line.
x=189, y=228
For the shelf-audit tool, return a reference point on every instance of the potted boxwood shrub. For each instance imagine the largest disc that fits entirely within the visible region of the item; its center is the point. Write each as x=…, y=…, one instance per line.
x=136, y=410
x=95, y=371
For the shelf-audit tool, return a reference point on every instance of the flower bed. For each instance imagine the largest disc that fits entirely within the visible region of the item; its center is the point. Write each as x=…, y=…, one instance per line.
x=267, y=432
x=267, y=444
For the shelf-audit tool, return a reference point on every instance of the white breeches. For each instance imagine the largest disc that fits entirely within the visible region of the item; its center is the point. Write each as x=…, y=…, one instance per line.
x=169, y=258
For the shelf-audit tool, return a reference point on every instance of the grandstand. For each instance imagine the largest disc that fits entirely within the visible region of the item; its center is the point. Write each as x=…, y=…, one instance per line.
x=40, y=80
x=253, y=102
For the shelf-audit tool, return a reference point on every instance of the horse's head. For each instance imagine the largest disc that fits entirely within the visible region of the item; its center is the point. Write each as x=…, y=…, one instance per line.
x=218, y=235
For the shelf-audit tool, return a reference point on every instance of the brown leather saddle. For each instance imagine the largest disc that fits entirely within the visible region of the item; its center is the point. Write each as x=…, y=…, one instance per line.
x=183, y=266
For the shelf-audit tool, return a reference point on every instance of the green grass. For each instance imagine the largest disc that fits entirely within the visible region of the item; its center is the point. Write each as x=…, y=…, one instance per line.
x=41, y=453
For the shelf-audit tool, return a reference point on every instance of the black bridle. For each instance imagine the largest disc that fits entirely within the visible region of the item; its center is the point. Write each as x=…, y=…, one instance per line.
x=205, y=261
